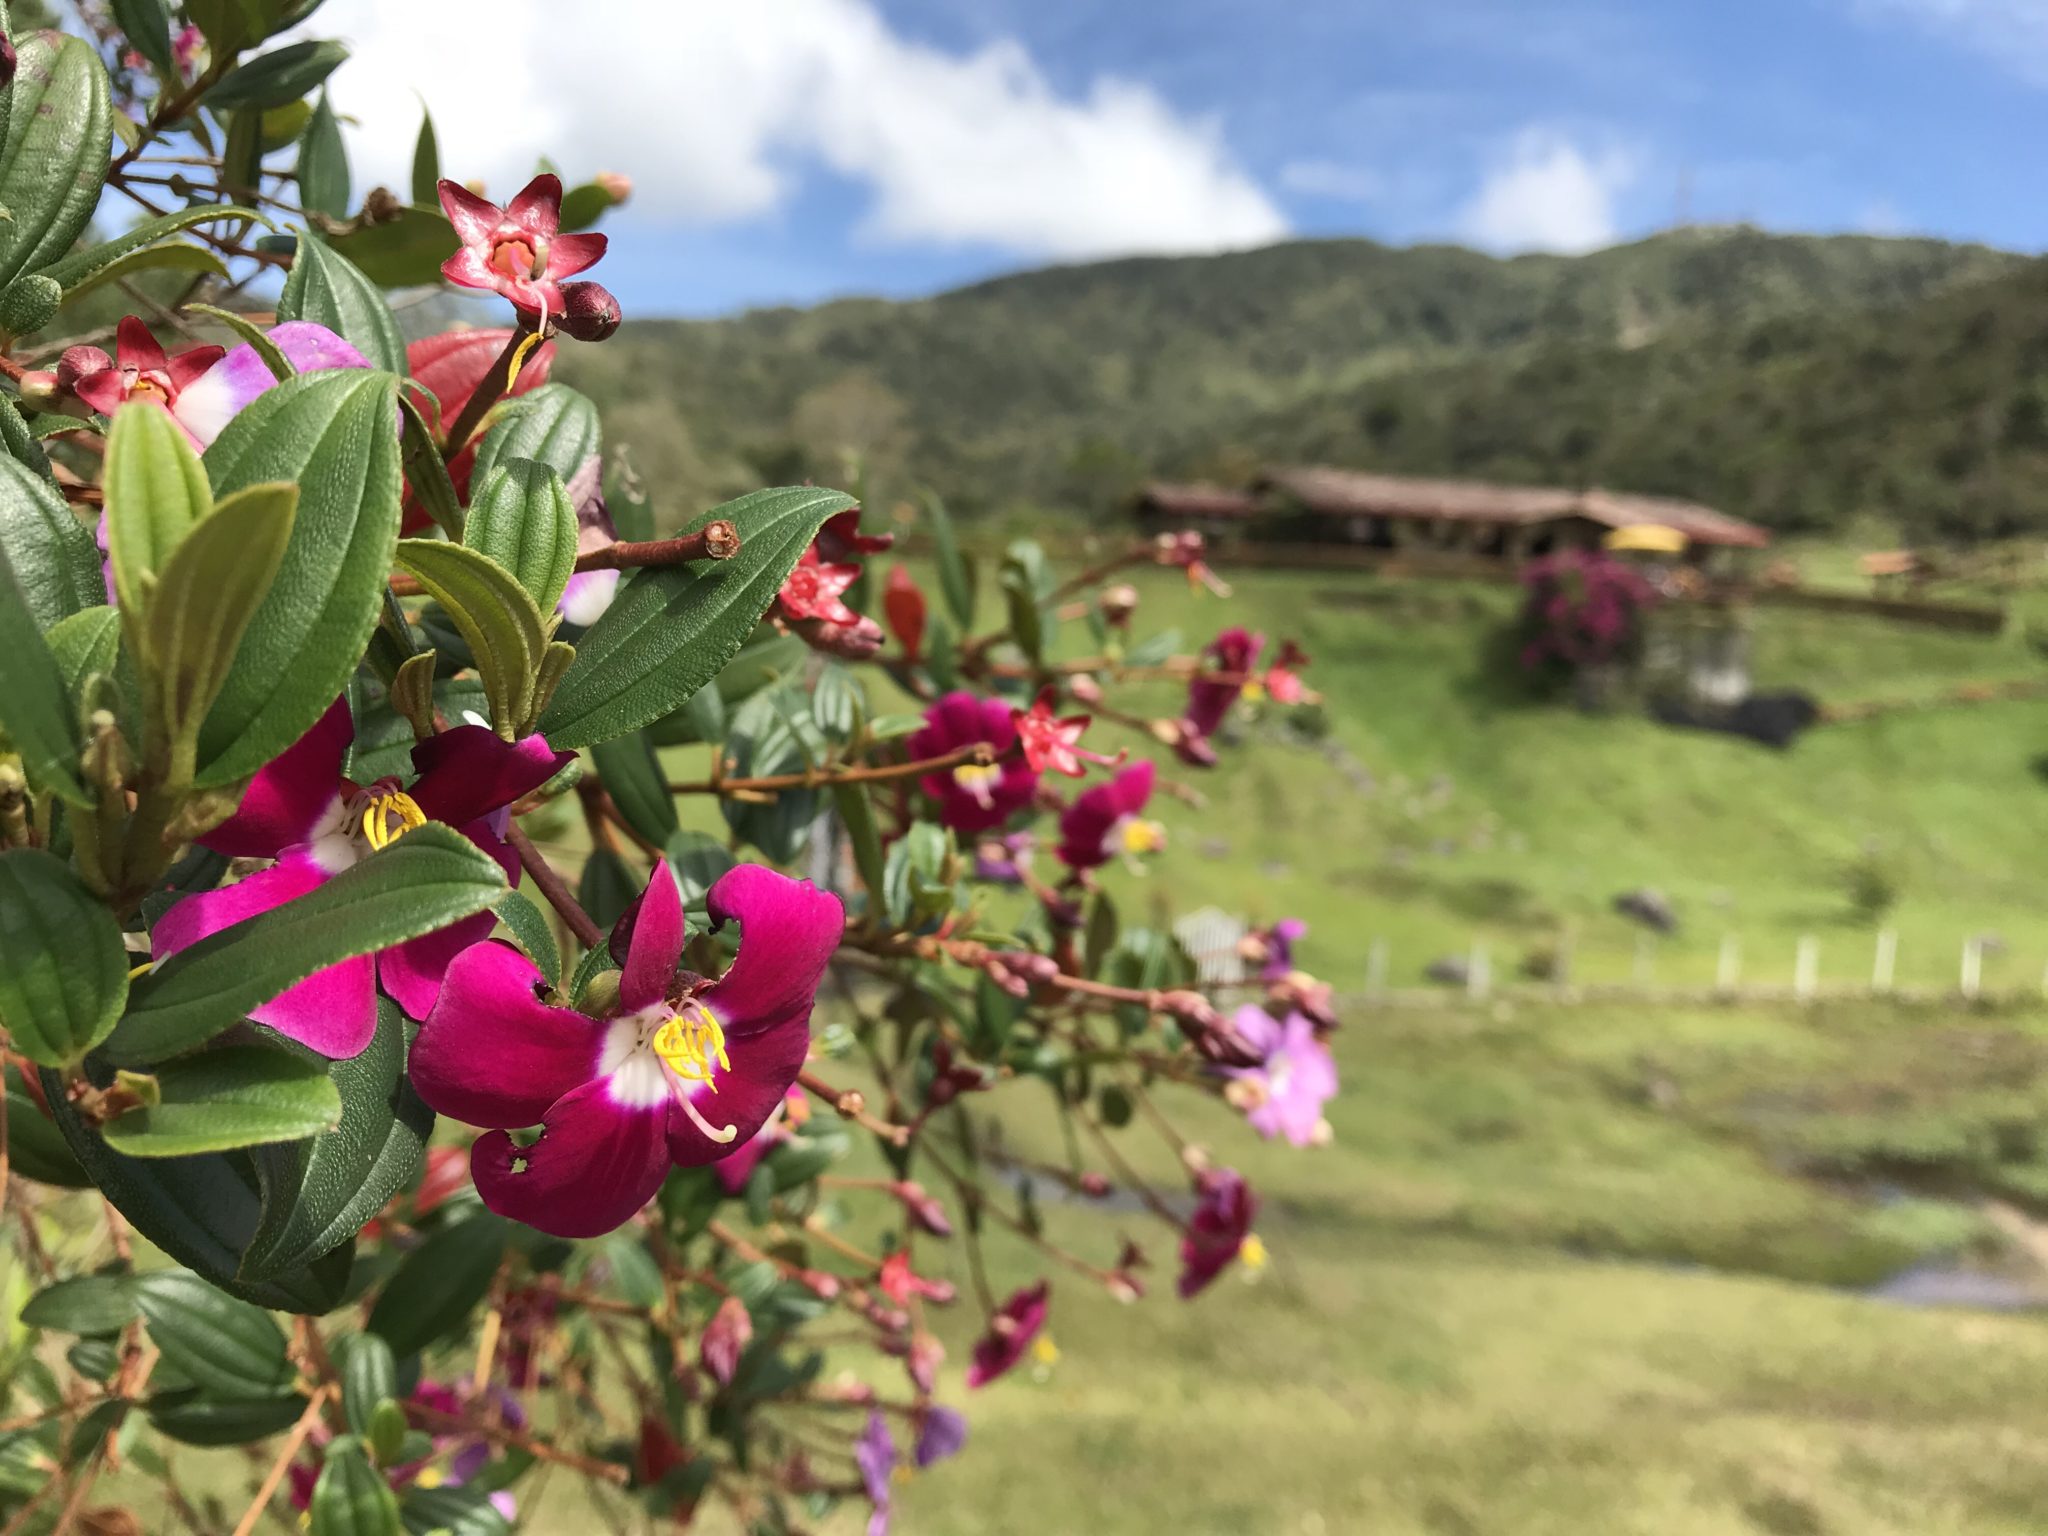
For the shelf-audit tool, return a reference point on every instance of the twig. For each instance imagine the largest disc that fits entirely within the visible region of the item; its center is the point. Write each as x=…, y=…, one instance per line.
x=551, y=886
x=715, y=541
x=976, y=752
x=589, y=1466
x=852, y=1106
x=297, y=1438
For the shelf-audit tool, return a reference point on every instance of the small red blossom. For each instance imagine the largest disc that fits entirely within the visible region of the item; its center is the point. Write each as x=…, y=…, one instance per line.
x=904, y=605
x=812, y=600
x=1050, y=742
x=1282, y=681
x=139, y=370
x=899, y=1282
x=518, y=250
x=1219, y=1231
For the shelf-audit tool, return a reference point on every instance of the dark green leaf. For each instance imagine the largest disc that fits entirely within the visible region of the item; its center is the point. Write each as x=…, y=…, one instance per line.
x=440, y=1284
x=22, y=445
x=496, y=617
x=88, y=267
x=326, y=287
x=857, y=811
x=532, y=933
x=335, y=435
x=696, y=861
x=404, y=250
x=633, y=777
x=317, y=1194
x=57, y=151
x=425, y=470
x=426, y=880
x=233, y=1096
x=463, y=1511
x=669, y=632
x=369, y=1376
x=88, y=642
x=554, y=425
x=520, y=516
x=194, y=261
x=63, y=970
x=283, y=75
x=191, y=1419
x=956, y=576
x=426, y=164
x=36, y=712
x=583, y=206
x=52, y=552
x=147, y=25
x=227, y=1348
x=36, y=1149
x=323, y=170
x=92, y=1306
x=607, y=887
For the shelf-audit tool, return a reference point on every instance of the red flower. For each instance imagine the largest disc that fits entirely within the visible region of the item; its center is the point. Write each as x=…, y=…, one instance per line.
x=1049, y=742
x=904, y=605
x=1219, y=1231
x=518, y=250
x=899, y=1282
x=139, y=370
x=812, y=602
x=451, y=365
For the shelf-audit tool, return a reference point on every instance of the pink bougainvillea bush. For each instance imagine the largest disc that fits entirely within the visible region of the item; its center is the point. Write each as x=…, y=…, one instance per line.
x=1582, y=608
x=404, y=1101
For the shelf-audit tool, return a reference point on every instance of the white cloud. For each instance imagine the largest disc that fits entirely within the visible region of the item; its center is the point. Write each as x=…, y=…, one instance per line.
x=1547, y=194
x=2014, y=33
x=712, y=108
x=1334, y=180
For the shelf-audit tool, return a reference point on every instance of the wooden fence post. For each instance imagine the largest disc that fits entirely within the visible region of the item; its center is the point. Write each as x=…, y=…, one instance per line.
x=1806, y=967
x=1885, y=961
x=1972, y=979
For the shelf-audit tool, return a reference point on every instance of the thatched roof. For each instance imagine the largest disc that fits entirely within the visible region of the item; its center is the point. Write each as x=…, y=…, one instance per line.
x=1196, y=500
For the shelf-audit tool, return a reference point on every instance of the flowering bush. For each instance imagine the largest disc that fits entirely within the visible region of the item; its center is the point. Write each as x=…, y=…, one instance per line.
x=310, y=636
x=1583, y=608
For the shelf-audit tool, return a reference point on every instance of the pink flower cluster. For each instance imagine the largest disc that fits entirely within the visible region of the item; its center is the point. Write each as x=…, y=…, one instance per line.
x=1583, y=608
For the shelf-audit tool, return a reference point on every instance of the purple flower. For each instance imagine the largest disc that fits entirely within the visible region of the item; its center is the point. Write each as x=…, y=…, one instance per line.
x=1010, y=1333
x=941, y=1432
x=1280, y=940
x=874, y=1449
x=1103, y=822
x=974, y=797
x=301, y=812
x=1284, y=1095
x=680, y=1073
x=1004, y=860
x=1219, y=1231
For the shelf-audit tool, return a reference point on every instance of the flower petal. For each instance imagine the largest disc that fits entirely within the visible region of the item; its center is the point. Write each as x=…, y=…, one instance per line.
x=596, y=1163
x=764, y=1066
x=468, y=267
x=292, y=794
x=587, y=596
x=657, y=942
x=412, y=972
x=104, y=389
x=491, y=1052
x=788, y=930
x=136, y=345
x=570, y=254
x=189, y=364
x=470, y=771
x=537, y=207
x=312, y=348
x=334, y=1011
x=473, y=217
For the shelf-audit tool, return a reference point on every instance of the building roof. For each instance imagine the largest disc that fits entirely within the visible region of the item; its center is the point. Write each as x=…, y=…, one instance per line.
x=1197, y=500
x=1350, y=493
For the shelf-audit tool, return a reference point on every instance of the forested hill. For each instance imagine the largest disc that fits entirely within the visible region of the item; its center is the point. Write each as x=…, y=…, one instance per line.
x=1644, y=365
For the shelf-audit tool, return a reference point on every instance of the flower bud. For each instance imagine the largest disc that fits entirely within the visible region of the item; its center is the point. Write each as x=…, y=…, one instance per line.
x=1094, y=1185
x=618, y=186
x=589, y=312
x=77, y=362
x=922, y=1208
x=925, y=1356
x=1118, y=604
x=726, y=1336
x=1084, y=688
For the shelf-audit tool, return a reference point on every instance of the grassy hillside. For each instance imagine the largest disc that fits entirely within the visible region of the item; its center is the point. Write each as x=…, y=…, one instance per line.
x=1067, y=385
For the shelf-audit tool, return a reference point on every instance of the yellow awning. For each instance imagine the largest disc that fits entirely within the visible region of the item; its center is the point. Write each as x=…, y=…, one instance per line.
x=1647, y=538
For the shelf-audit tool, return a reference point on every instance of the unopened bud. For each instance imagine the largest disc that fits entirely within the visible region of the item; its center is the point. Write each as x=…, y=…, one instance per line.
x=1191, y=1008
x=589, y=312
x=1084, y=688
x=1036, y=967
x=728, y=1333
x=926, y=1355
x=77, y=362
x=849, y=642
x=1123, y=1288
x=1094, y=1185
x=1118, y=604
x=922, y=1207
x=618, y=186
x=821, y=1285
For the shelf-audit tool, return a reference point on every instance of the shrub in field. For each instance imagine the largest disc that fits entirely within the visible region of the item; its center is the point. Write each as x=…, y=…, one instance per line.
x=341, y=1125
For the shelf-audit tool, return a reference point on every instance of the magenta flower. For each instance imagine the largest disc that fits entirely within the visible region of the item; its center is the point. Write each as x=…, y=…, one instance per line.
x=974, y=797
x=1004, y=860
x=140, y=369
x=1010, y=1333
x=1103, y=822
x=874, y=1452
x=1230, y=662
x=1274, y=948
x=1285, y=1093
x=680, y=1073
x=812, y=602
x=1219, y=1231
x=1052, y=742
x=518, y=250
x=301, y=812
x=1282, y=682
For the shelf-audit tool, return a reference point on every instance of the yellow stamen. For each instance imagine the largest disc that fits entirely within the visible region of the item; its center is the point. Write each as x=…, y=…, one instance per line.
x=1252, y=1252
x=1143, y=836
x=978, y=779
x=1044, y=1351
x=391, y=806
x=688, y=1042
x=1253, y=690
x=524, y=350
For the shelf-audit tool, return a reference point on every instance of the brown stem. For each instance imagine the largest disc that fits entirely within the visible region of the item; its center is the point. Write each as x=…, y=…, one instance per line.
x=449, y=1423
x=852, y=1106
x=715, y=541
x=282, y=1464
x=551, y=886
x=812, y=778
x=488, y=391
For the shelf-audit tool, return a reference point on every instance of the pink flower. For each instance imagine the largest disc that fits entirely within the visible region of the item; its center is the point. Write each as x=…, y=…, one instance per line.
x=1010, y=1333
x=874, y=1452
x=1103, y=823
x=679, y=1073
x=518, y=250
x=1282, y=681
x=899, y=1282
x=974, y=797
x=1188, y=550
x=1230, y=663
x=1285, y=1093
x=812, y=601
x=301, y=812
x=1049, y=742
x=1219, y=1231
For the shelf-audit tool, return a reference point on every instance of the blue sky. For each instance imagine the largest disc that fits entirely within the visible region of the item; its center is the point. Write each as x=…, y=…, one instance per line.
x=829, y=147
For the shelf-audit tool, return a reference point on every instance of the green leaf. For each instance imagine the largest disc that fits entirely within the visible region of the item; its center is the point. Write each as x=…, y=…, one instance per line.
x=426, y=472
x=173, y=256
x=554, y=424
x=52, y=552
x=63, y=971
x=956, y=576
x=91, y=265
x=668, y=632
x=696, y=860
x=253, y=336
x=91, y=1306
x=426, y=880
x=335, y=435
x=36, y=1149
x=607, y=887
x=497, y=618
x=326, y=287
x=205, y=598
x=633, y=777
x=147, y=25
x=444, y=1511
x=858, y=812
x=199, y=1210
x=583, y=206
x=283, y=75
x=156, y=494
x=426, y=164
x=233, y=1096
x=352, y=1498
x=191, y=1419
x=323, y=166
x=403, y=250
x=440, y=1284
x=36, y=712
x=369, y=1376
x=226, y=1348
x=22, y=445
x=317, y=1194
x=532, y=933
x=520, y=516
x=57, y=152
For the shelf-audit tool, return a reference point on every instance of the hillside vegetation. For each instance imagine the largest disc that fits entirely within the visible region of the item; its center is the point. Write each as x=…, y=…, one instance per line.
x=1761, y=369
